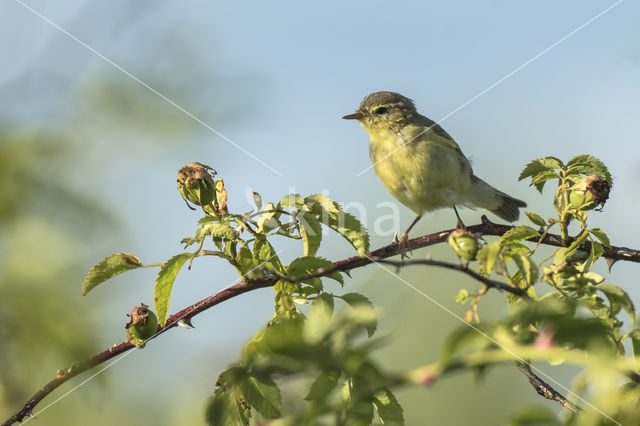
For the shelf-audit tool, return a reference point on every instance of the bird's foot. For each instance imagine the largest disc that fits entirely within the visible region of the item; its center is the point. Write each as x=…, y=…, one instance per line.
x=404, y=246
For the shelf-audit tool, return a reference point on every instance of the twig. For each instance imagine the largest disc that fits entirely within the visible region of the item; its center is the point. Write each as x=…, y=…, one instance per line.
x=457, y=267
x=544, y=389
x=485, y=228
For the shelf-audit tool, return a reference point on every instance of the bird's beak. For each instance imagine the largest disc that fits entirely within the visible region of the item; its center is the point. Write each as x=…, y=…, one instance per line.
x=356, y=116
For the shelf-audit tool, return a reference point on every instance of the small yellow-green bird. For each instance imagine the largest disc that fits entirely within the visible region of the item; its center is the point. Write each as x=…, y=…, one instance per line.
x=421, y=165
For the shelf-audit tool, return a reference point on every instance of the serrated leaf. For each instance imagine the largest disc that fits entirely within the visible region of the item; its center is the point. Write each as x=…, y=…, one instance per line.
x=578, y=242
x=536, y=219
x=245, y=261
x=318, y=324
x=517, y=234
x=389, y=409
x=262, y=393
x=225, y=409
x=285, y=307
x=358, y=412
x=264, y=254
x=324, y=298
x=488, y=255
x=268, y=220
x=618, y=298
x=309, y=265
x=595, y=253
x=226, y=405
x=164, y=284
x=292, y=200
x=589, y=165
x=311, y=233
x=527, y=269
x=540, y=165
x=356, y=299
x=109, y=267
x=219, y=229
x=345, y=224
x=600, y=235
x=532, y=169
x=540, y=179
x=323, y=386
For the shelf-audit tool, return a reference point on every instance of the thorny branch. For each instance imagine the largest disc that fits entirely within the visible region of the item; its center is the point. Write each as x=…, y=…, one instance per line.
x=544, y=389
x=184, y=316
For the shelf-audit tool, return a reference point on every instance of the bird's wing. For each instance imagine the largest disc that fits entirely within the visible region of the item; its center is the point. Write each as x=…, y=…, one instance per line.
x=443, y=137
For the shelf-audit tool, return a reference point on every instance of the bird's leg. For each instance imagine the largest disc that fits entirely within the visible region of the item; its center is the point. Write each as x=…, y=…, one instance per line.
x=459, y=225
x=404, y=240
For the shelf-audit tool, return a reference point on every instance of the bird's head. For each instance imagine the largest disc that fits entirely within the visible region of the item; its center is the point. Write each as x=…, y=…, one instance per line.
x=381, y=112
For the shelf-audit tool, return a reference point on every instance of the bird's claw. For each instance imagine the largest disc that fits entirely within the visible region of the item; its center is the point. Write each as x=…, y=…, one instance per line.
x=404, y=246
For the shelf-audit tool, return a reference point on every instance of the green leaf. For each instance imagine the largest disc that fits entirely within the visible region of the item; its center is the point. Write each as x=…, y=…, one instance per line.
x=323, y=386
x=219, y=229
x=635, y=340
x=527, y=268
x=318, y=324
x=466, y=339
x=594, y=254
x=540, y=165
x=284, y=305
x=618, y=298
x=488, y=255
x=536, y=218
x=265, y=255
x=539, y=180
x=268, y=221
x=227, y=405
x=311, y=233
x=517, y=234
x=599, y=234
x=345, y=224
x=309, y=265
x=257, y=199
x=578, y=242
x=356, y=299
x=389, y=409
x=324, y=298
x=291, y=200
x=109, y=267
x=357, y=412
x=533, y=415
x=245, y=261
x=164, y=284
x=262, y=393
x=589, y=165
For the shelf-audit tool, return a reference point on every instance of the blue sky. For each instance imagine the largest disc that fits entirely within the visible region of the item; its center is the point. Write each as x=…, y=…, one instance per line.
x=283, y=73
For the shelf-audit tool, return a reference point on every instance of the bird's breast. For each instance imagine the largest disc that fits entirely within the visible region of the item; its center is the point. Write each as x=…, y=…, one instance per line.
x=421, y=174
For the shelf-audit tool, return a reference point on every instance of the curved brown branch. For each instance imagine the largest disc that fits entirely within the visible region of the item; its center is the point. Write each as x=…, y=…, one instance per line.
x=485, y=228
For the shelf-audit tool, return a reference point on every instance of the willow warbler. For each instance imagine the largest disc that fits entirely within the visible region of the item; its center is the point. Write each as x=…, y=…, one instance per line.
x=421, y=165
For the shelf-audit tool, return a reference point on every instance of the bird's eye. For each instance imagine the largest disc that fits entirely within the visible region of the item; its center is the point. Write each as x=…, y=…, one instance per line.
x=380, y=110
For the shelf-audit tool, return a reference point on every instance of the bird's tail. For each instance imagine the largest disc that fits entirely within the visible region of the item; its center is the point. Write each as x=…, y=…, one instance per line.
x=483, y=195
